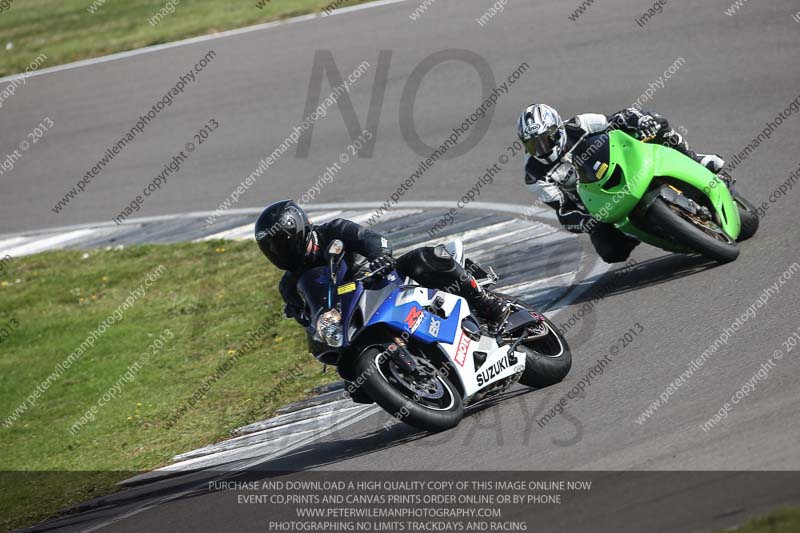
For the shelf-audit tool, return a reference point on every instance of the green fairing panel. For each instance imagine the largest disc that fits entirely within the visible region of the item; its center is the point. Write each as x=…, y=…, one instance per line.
x=635, y=161
x=640, y=163
x=673, y=163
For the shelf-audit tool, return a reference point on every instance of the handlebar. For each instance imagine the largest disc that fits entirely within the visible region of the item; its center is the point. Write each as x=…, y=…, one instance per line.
x=370, y=274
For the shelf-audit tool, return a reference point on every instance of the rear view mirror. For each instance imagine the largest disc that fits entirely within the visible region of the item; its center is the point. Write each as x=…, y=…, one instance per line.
x=335, y=254
x=336, y=251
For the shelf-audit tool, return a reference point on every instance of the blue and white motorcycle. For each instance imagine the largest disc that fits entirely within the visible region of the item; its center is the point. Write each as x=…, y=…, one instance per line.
x=420, y=353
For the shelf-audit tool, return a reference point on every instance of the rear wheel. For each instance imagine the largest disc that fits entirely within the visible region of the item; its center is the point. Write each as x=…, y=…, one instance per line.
x=702, y=236
x=427, y=401
x=748, y=216
x=548, y=359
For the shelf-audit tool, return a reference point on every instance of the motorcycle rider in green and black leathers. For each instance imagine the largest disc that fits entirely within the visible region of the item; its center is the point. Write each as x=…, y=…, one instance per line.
x=547, y=138
x=289, y=240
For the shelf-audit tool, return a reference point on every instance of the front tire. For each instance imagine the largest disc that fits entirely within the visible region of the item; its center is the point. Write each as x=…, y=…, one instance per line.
x=675, y=224
x=748, y=216
x=438, y=408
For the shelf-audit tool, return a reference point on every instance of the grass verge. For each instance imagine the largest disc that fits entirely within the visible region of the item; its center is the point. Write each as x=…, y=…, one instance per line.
x=781, y=521
x=70, y=30
x=210, y=296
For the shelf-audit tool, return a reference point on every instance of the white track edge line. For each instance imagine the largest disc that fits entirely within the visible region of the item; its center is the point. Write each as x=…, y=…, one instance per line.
x=195, y=40
x=421, y=204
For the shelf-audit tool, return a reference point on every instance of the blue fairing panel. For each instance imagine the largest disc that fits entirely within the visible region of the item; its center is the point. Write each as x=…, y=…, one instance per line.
x=413, y=318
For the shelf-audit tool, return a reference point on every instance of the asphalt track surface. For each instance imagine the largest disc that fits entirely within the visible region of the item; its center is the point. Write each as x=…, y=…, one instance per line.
x=739, y=72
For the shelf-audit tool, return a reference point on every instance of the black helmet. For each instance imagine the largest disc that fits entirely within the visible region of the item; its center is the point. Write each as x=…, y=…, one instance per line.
x=282, y=233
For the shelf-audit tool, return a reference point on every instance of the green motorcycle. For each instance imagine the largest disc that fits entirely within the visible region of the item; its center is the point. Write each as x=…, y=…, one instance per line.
x=660, y=196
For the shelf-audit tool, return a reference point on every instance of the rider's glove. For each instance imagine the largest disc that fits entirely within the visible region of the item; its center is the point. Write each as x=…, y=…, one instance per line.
x=382, y=264
x=647, y=128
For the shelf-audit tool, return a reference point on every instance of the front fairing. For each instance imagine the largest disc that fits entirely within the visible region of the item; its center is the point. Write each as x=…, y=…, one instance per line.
x=382, y=302
x=617, y=170
x=314, y=286
x=403, y=313
x=355, y=302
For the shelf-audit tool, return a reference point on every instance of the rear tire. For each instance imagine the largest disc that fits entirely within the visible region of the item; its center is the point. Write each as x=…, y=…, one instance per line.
x=748, y=216
x=689, y=235
x=398, y=401
x=548, y=360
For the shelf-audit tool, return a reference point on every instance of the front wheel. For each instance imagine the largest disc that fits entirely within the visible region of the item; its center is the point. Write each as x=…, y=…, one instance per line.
x=427, y=401
x=748, y=216
x=689, y=231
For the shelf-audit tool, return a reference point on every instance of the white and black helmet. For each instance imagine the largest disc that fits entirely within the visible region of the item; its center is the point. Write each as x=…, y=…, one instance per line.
x=542, y=131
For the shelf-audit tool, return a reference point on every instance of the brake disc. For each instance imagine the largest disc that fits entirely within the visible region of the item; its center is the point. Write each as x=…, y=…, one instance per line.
x=426, y=385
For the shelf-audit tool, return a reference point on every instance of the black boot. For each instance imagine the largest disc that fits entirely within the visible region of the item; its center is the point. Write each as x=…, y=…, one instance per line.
x=712, y=162
x=715, y=164
x=491, y=308
x=727, y=179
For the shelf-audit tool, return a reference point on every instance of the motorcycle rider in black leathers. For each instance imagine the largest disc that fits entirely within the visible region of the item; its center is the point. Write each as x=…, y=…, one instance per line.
x=289, y=240
x=547, y=138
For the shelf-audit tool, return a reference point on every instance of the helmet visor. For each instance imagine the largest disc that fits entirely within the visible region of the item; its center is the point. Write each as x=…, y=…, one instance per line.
x=284, y=250
x=543, y=144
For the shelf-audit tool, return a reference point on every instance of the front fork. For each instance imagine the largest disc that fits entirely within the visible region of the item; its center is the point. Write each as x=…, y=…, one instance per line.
x=721, y=216
x=398, y=352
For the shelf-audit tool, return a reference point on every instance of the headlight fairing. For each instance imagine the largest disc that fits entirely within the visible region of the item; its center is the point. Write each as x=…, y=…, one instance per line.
x=329, y=328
